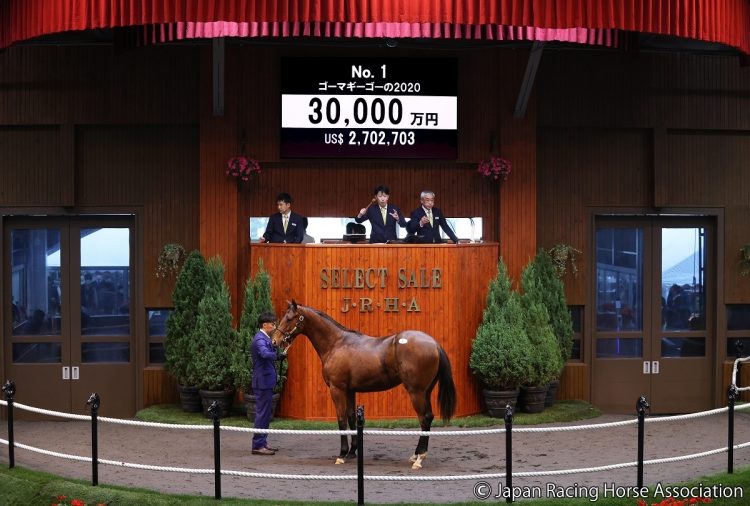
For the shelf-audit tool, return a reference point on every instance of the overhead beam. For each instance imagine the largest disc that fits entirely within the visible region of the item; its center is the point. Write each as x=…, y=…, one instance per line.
x=528, y=79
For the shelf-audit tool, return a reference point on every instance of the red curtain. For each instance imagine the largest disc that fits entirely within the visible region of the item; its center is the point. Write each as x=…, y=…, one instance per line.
x=722, y=21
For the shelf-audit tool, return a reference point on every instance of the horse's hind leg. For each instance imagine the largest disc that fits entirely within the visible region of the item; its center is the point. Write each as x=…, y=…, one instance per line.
x=351, y=418
x=423, y=407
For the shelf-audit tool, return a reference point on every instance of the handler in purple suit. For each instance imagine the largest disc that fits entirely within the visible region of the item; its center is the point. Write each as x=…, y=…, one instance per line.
x=264, y=355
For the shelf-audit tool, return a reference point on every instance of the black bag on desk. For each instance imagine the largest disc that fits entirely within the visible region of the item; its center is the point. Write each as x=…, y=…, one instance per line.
x=355, y=232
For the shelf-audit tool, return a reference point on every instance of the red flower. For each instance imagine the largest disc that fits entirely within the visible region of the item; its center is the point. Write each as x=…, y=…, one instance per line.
x=242, y=167
x=495, y=168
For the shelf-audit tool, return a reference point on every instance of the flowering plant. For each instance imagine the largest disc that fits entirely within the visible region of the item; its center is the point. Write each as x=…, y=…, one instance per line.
x=671, y=501
x=242, y=167
x=495, y=167
x=62, y=500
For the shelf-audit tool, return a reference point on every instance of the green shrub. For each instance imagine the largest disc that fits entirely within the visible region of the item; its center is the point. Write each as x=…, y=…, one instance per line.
x=186, y=295
x=546, y=359
x=548, y=289
x=215, y=341
x=257, y=300
x=501, y=349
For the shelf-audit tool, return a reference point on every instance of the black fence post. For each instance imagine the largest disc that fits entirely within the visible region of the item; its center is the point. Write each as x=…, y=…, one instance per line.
x=732, y=394
x=641, y=406
x=509, y=452
x=9, y=389
x=215, y=411
x=94, y=403
x=360, y=454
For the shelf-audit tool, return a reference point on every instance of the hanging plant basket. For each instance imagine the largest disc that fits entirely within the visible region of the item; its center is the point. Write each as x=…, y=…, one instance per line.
x=170, y=260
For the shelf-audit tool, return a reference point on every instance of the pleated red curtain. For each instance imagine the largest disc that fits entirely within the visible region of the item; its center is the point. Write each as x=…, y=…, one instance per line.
x=722, y=21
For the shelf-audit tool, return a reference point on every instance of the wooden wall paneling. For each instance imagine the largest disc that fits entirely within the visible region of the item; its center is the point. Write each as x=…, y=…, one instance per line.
x=704, y=169
x=158, y=387
x=89, y=84
x=31, y=174
x=517, y=210
x=574, y=382
x=153, y=168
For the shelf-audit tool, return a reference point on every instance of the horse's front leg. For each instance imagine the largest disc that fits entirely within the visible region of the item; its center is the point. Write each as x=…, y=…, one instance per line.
x=339, y=401
x=351, y=418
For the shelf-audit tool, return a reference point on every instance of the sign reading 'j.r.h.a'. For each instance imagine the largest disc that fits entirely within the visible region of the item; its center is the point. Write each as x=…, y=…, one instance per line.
x=379, y=278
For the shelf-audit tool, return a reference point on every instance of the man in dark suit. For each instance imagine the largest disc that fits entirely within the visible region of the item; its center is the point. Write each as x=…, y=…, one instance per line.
x=383, y=217
x=264, y=357
x=427, y=220
x=284, y=226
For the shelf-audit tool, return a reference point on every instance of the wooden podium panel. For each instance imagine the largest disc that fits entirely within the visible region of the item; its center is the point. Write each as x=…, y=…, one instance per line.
x=380, y=290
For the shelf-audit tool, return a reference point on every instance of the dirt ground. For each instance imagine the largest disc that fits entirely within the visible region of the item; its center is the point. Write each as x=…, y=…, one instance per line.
x=384, y=456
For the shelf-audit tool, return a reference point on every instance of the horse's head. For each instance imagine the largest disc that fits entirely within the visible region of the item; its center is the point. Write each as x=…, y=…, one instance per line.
x=289, y=326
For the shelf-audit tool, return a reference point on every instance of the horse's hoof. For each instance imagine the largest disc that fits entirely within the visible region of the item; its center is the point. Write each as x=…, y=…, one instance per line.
x=413, y=458
x=417, y=462
x=339, y=460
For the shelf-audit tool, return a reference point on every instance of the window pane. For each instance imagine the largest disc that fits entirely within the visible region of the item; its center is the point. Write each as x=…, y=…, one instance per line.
x=105, y=281
x=618, y=347
x=35, y=281
x=156, y=353
x=37, y=353
x=683, y=268
x=619, y=273
x=105, y=352
x=744, y=343
x=738, y=316
x=683, y=347
x=157, y=322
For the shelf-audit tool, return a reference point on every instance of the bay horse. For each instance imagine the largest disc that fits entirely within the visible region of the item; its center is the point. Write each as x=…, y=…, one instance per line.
x=353, y=362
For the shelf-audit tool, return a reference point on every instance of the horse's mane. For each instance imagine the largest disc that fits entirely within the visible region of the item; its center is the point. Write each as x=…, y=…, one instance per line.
x=337, y=324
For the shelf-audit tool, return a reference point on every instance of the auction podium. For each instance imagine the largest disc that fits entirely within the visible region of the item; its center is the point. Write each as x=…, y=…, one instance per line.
x=380, y=290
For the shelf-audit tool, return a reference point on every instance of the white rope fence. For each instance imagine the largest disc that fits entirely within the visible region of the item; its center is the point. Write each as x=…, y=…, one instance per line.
x=734, y=373
x=276, y=476
x=477, y=432
x=381, y=432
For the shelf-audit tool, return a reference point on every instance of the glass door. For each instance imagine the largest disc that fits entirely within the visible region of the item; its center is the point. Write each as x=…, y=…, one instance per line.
x=71, y=327
x=652, y=330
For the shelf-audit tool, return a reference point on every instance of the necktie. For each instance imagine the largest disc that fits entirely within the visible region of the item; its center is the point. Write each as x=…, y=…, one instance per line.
x=382, y=213
x=286, y=222
x=429, y=217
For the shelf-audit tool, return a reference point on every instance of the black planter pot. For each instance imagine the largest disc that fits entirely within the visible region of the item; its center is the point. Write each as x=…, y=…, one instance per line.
x=531, y=399
x=496, y=400
x=223, y=397
x=250, y=405
x=549, y=399
x=190, y=399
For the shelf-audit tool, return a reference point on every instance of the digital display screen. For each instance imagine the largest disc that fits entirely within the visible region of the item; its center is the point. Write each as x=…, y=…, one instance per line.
x=369, y=108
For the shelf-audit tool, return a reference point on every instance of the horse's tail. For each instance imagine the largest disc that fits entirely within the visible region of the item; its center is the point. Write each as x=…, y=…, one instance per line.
x=447, y=389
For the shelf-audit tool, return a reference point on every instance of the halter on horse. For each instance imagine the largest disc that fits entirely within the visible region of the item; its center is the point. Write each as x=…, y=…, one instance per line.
x=353, y=362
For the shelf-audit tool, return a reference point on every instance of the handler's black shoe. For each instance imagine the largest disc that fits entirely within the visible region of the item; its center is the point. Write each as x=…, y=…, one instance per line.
x=263, y=451
x=272, y=448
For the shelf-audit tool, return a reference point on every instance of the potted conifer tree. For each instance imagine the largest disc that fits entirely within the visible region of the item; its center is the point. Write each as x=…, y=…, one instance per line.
x=546, y=360
x=257, y=300
x=215, y=342
x=186, y=295
x=501, y=349
x=549, y=290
